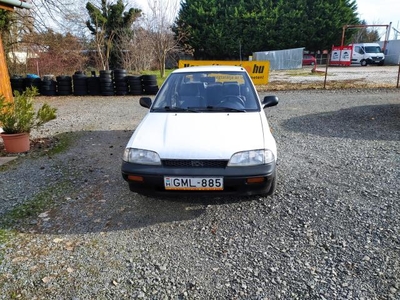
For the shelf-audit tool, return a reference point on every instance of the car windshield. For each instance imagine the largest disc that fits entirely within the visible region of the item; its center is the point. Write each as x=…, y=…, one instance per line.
x=373, y=49
x=207, y=92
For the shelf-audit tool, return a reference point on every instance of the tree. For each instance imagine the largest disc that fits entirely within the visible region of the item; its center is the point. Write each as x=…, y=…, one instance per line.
x=159, y=24
x=17, y=24
x=5, y=20
x=108, y=24
x=54, y=53
x=31, y=51
x=226, y=29
x=137, y=52
x=365, y=35
x=52, y=14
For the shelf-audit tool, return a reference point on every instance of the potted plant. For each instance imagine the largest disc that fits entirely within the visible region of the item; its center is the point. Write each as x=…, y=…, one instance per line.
x=18, y=118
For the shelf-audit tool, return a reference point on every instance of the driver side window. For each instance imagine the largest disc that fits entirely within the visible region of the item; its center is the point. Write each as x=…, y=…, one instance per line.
x=358, y=49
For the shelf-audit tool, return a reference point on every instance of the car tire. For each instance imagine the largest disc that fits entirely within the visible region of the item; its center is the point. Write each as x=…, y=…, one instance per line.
x=363, y=63
x=272, y=189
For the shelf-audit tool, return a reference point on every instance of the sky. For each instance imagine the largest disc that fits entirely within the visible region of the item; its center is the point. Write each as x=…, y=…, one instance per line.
x=380, y=12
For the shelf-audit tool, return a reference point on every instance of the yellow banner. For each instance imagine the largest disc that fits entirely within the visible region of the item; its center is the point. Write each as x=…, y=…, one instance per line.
x=258, y=70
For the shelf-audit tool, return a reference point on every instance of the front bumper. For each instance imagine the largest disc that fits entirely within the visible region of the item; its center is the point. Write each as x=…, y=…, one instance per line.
x=236, y=179
x=375, y=60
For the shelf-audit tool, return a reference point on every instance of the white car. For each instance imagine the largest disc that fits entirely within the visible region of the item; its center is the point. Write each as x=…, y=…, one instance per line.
x=205, y=133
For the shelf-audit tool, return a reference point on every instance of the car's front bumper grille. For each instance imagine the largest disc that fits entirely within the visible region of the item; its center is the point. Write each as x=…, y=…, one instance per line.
x=194, y=163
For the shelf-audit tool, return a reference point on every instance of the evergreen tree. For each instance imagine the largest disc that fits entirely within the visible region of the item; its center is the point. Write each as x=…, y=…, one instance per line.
x=5, y=20
x=227, y=29
x=108, y=24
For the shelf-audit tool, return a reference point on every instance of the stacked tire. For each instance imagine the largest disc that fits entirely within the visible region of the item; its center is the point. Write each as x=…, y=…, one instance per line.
x=106, y=83
x=149, y=83
x=94, y=85
x=64, y=85
x=109, y=83
x=32, y=81
x=80, y=84
x=135, y=84
x=17, y=84
x=48, y=86
x=121, y=85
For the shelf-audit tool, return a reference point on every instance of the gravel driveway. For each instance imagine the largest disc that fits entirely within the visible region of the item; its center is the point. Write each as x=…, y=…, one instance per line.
x=332, y=230
x=370, y=76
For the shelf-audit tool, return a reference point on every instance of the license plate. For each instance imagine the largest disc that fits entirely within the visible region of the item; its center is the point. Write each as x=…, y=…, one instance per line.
x=194, y=183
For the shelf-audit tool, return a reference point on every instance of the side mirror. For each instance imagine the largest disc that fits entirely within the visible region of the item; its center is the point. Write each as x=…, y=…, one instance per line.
x=145, y=102
x=270, y=101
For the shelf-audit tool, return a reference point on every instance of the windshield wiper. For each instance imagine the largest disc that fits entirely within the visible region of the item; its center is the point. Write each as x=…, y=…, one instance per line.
x=174, y=109
x=222, y=108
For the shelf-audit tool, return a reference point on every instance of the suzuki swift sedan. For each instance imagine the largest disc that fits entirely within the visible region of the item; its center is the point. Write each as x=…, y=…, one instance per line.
x=205, y=133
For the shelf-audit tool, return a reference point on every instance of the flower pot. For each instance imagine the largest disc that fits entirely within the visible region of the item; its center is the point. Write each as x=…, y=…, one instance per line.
x=16, y=142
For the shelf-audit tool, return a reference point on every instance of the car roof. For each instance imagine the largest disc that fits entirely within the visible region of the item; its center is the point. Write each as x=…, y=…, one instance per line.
x=365, y=44
x=213, y=68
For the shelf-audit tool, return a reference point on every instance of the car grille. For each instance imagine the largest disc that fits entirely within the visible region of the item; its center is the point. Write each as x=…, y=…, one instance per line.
x=194, y=163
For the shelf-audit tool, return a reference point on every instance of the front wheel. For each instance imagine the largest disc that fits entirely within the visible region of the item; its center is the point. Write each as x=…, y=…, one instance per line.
x=363, y=63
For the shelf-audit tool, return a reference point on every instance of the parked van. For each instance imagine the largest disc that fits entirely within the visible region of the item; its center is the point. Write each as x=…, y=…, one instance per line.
x=367, y=54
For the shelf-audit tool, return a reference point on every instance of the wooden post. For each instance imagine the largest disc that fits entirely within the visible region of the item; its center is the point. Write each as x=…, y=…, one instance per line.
x=5, y=84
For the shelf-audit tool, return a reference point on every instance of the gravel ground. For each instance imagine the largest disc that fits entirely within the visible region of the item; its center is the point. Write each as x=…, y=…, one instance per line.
x=370, y=75
x=332, y=230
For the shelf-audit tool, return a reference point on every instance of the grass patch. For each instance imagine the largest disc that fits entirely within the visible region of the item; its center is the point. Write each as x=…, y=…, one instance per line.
x=64, y=142
x=22, y=212
x=19, y=216
x=5, y=236
x=38, y=204
x=303, y=72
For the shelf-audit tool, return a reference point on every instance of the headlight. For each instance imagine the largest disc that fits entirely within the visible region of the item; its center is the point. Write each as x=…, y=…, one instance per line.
x=251, y=158
x=140, y=156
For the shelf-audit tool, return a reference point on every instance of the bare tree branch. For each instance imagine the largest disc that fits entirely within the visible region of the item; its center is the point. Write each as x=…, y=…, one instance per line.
x=159, y=22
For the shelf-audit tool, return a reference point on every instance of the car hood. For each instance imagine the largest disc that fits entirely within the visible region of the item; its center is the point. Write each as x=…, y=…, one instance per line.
x=200, y=135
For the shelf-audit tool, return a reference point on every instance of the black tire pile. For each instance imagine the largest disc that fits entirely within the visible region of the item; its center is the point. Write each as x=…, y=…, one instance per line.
x=48, y=86
x=121, y=85
x=32, y=82
x=79, y=80
x=64, y=85
x=135, y=84
x=93, y=85
x=17, y=83
x=108, y=83
x=149, y=83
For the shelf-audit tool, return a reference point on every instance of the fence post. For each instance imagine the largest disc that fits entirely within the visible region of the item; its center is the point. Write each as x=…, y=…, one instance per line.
x=326, y=70
x=398, y=76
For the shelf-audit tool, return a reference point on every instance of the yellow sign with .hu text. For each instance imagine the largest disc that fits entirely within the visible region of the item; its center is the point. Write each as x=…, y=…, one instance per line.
x=258, y=70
